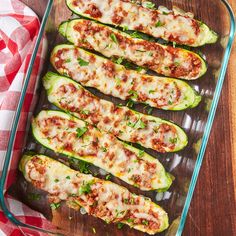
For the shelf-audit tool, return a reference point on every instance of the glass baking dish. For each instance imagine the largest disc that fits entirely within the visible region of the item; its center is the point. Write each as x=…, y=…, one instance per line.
x=184, y=165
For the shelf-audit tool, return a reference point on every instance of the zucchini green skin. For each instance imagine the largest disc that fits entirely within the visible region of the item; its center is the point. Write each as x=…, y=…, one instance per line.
x=67, y=177
x=72, y=146
x=141, y=83
x=97, y=113
x=205, y=35
x=166, y=60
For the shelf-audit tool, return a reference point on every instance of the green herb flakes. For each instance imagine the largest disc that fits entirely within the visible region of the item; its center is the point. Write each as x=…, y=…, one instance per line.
x=120, y=225
x=55, y=206
x=149, y=5
x=173, y=140
x=114, y=39
x=82, y=62
x=141, y=153
x=134, y=94
x=159, y=24
x=144, y=222
x=85, y=188
x=81, y=131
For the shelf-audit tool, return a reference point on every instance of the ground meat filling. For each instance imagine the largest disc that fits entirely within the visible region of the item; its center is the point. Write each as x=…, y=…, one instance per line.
x=168, y=61
x=119, y=121
x=65, y=135
x=99, y=198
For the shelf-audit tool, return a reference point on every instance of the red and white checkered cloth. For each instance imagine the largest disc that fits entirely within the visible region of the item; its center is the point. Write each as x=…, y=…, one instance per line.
x=19, y=27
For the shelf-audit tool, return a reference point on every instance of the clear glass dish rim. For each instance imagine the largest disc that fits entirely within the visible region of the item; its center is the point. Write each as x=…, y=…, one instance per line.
x=205, y=137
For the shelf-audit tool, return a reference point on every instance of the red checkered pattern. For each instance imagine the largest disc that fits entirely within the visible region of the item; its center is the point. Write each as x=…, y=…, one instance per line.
x=19, y=27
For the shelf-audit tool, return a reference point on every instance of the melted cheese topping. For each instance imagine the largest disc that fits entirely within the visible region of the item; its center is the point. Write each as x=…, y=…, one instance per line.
x=169, y=25
x=165, y=60
x=103, y=199
x=62, y=133
x=113, y=79
x=128, y=125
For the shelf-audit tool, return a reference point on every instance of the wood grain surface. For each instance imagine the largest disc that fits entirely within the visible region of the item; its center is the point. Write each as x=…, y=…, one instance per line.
x=213, y=209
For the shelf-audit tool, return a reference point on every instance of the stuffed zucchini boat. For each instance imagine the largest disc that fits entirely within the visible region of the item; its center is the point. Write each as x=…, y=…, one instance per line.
x=68, y=135
x=174, y=26
x=165, y=60
x=113, y=79
x=121, y=121
x=102, y=199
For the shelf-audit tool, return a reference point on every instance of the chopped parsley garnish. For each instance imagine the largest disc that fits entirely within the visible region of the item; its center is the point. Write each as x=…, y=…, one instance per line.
x=170, y=102
x=151, y=91
x=126, y=200
x=139, y=68
x=104, y=149
x=120, y=225
x=118, y=81
x=159, y=24
x=82, y=166
x=149, y=5
x=130, y=124
x=85, y=188
x=114, y=39
x=150, y=54
x=82, y=62
x=148, y=109
x=125, y=27
x=68, y=177
x=144, y=222
x=177, y=63
x=85, y=112
x=130, y=220
x=134, y=94
x=165, y=13
x=135, y=34
x=33, y=196
x=67, y=60
x=55, y=206
x=173, y=140
x=141, y=153
x=131, y=200
x=108, y=177
x=81, y=131
x=139, y=124
x=119, y=60
x=56, y=180
x=130, y=103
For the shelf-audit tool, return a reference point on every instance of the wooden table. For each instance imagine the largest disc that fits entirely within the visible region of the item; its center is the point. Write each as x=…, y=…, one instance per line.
x=213, y=211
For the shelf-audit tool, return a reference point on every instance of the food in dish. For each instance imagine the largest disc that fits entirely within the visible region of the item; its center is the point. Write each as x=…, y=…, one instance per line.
x=102, y=199
x=68, y=135
x=175, y=26
x=121, y=121
x=113, y=79
x=165, y=60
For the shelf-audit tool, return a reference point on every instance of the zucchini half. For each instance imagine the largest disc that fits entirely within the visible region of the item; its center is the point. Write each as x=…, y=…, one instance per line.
x=68, y=135
x=165, y=60
x=121, y=121
x=113, y=79
x=171, y=25
x=102, y=199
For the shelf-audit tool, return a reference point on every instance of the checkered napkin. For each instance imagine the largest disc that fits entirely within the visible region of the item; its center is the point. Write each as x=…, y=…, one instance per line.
x=19, y=27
